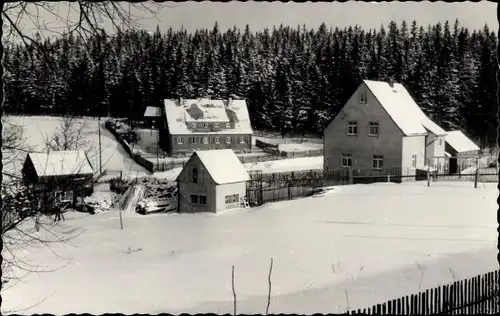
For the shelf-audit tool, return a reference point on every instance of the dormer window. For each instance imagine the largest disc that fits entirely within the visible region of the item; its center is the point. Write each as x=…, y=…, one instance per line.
x=193, y=125
x=362, y=98
x=216, y=125
x=206, y=125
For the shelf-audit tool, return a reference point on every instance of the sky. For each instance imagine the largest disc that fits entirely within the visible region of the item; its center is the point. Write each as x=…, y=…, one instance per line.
x=196, y=15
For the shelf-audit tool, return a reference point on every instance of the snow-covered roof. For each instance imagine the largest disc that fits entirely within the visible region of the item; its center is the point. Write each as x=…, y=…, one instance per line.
x=61, y=163
x=223, y=166
x=402, y=109
x=152, y=111
x=461, y=143
x=182, y=112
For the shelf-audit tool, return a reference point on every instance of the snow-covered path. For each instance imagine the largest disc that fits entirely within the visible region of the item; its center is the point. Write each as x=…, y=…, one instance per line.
x=376, y=241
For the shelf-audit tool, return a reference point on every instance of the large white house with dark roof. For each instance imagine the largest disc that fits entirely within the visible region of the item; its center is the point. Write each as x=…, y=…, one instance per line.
x=204, y=124
x=381, y=127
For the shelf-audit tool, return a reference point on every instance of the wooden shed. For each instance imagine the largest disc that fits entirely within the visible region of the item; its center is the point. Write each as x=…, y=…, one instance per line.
x=212, y=181
x=58, y=176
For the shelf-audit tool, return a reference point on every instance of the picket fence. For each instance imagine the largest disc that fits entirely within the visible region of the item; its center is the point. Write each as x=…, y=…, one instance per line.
x=477, y=295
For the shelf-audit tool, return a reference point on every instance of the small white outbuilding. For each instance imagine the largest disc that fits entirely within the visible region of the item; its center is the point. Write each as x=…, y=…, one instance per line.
x=212, y=181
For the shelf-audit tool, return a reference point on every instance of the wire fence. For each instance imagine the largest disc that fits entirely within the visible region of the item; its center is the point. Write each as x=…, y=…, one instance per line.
x=272, y=187
x=477, y=295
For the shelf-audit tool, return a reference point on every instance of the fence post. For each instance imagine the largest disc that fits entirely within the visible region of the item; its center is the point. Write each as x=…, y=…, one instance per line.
x=389, y=178
x=428, y=178
x=476, y=174
x=289, y=191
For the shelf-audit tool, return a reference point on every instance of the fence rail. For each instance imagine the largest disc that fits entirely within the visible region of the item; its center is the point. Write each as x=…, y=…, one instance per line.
x=479, y=294
x=272, y=187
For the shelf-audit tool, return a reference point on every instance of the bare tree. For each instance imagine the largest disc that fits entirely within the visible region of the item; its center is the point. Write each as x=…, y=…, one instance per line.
x=20, y=205
x=68, y=136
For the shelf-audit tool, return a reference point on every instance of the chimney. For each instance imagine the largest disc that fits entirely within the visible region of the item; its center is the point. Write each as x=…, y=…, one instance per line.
x=391, y=82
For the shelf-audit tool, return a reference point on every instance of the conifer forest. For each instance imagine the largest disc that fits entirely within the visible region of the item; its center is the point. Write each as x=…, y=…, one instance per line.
x=295, y=79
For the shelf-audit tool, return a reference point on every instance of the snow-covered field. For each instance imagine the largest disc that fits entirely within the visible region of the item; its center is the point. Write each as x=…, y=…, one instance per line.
x=358, y=246
x=114, y=157
x=284, y=165
x=299, y=147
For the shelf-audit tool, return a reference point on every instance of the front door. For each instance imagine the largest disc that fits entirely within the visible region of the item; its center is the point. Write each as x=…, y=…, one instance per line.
x=453, y=165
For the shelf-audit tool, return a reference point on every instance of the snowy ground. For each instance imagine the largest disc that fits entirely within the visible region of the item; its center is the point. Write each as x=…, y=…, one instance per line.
x=114, y=157
x=284, y=165
x=299, y=147
x=360, y=245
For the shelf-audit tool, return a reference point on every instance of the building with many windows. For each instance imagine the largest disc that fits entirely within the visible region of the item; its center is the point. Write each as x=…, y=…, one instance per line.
x=205, y=124
x=381, y=127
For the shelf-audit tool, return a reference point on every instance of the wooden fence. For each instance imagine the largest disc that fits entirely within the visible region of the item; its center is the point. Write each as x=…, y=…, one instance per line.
x=477, y=295
x=272, y=187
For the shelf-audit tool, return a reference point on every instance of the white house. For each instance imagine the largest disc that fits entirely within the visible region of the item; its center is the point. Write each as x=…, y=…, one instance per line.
x=212, y=181
x=205, y=124
x=379, y=128
x=460, y=151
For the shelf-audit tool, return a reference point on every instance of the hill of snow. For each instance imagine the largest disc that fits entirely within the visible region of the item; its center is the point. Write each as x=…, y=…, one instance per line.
x=37, y=128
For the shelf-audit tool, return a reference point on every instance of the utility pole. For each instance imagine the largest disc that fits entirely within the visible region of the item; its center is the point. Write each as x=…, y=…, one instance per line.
x=100, y=152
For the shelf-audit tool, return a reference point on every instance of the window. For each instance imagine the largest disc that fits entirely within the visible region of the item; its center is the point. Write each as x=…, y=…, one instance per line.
x=195, y=175
x=198, y=199
x=373, y=129
x=216, y=125
x=346, y=160
x=352, y=128
x=180, y=140
x=242, y=139
x=228, y=125
x=193, y=125
x=414, y=161
x=228, y=140
x=362, y=98
x=233, y=198
x=205, y=125
x=194, y=140
x=198, y=140
x=440, y=142
x=217, y=140
x=205, y=140
x=378, y=162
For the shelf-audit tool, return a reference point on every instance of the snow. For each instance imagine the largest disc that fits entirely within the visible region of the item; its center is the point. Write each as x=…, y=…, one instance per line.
x=61, y=163
x=402, y=109
x=288, y=165
x=461, y=143
x=178, y=116
x=101, y=200
x=152, y=111
x=372, y=243
x=114, y=157
x=299, y=147
x=273, y=166
x=223, y=166
x=128, y=201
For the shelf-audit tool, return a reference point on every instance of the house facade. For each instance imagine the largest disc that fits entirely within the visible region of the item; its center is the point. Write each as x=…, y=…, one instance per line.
x=381, y=128
x=205, y=124
x=461, y=152
x=211, y=181
x=153, y=116
x=58, y=176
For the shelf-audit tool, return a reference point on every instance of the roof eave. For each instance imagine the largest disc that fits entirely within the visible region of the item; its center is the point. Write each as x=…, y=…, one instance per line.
x=416, y=134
